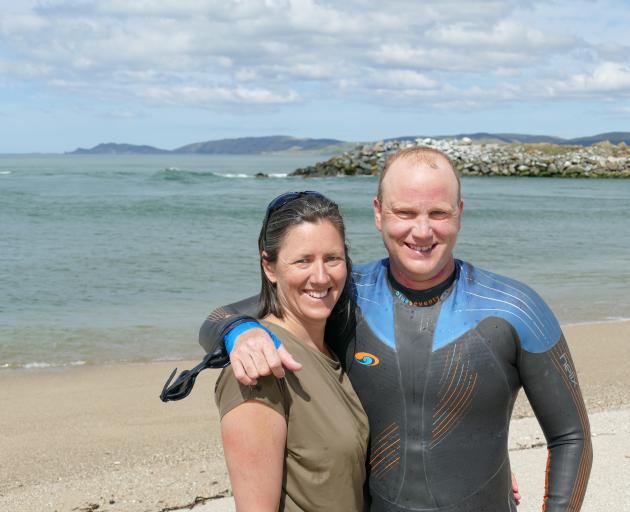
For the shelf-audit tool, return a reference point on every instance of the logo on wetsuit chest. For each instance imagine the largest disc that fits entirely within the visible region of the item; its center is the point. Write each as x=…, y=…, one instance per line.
x=366, y=359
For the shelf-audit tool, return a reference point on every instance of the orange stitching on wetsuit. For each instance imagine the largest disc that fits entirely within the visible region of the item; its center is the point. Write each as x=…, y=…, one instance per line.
x=386, y=448
x=579, y=486
x=447, y=425
x=584, y=466
x=219, y=314
x=464, y=398
x=388, y=467
x=548, y=467
x=395, y=449
x=387, y=431
x=442, y=401
x=579, y=489
x=456, y=393
x=455, y=421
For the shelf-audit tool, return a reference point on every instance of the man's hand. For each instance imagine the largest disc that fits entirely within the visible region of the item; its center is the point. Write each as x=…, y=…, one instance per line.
x=254, y=355
x=515, y=493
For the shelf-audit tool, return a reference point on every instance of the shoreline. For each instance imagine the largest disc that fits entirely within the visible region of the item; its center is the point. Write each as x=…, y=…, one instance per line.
x=75, y=437
x=43, y=366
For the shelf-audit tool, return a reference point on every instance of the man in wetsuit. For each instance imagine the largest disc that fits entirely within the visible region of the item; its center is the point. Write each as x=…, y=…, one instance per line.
x=437, y=353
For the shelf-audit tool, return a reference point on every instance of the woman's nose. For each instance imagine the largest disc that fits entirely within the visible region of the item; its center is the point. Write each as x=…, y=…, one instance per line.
x=320, y=273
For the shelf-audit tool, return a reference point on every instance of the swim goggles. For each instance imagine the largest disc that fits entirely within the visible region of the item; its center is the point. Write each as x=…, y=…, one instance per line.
x=287, y=197
x=183, y=385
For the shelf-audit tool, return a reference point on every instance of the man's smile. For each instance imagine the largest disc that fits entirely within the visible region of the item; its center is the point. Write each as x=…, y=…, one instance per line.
x=422, y=249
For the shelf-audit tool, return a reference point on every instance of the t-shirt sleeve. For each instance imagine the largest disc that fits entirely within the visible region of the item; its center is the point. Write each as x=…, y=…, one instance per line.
x=229, y=393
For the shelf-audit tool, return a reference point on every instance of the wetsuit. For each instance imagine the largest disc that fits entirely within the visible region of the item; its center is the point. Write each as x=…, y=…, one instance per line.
x=439, y=381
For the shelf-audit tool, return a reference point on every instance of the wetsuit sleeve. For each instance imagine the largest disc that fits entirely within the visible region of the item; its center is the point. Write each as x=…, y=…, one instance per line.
x=550, y=382
x=221, y=319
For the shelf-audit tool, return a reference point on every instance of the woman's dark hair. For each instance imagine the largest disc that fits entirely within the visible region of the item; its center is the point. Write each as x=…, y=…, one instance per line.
x=300, y=207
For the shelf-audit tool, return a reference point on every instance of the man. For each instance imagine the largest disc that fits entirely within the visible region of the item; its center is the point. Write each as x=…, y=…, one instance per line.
x=437, y=353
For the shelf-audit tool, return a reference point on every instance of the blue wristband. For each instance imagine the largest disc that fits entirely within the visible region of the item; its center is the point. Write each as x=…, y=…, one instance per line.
x=230, y=337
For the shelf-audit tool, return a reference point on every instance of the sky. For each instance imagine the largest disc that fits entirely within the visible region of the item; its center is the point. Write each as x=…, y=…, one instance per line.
x=75, y=73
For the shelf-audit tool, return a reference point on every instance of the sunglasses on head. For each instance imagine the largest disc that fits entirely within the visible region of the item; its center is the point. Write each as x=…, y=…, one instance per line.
x=287, y=197
x=184, y=383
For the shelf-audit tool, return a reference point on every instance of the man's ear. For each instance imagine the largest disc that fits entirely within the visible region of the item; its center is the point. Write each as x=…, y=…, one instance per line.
x=268, y=267
x=376, y=206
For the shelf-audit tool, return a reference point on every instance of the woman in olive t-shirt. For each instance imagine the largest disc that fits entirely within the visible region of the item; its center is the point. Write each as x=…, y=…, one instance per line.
x=298, y=443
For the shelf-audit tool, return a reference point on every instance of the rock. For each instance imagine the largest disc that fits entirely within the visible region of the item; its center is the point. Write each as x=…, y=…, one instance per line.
x=600, y=160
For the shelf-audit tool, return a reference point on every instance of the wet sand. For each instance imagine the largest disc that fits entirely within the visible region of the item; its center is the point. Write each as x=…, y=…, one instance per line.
x=75, y=438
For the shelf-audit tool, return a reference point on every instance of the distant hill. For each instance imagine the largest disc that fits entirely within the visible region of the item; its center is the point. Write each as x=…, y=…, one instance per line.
x=256, y=145
x=614, y=137
x=280, y=143
x=240, y=146
x=112, y=148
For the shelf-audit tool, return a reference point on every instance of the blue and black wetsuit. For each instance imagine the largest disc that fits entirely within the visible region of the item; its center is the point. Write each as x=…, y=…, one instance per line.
x=438, y=382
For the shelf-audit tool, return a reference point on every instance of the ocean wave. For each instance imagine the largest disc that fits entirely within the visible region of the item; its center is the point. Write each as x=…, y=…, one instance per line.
x=233, y=175
x=182, y=176
x=5, y=172
x=185, y=176
x=30, y=366
x=38, y=365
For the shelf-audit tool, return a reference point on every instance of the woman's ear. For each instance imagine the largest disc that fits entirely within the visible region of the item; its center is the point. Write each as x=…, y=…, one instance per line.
x=268, y=267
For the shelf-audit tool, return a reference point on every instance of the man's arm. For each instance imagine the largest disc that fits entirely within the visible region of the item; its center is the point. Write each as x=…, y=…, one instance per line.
x=219, y=320
x=254, y=353
x=550, y=382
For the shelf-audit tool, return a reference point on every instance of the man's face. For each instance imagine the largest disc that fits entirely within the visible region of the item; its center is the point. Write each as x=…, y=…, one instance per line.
x=419, y=219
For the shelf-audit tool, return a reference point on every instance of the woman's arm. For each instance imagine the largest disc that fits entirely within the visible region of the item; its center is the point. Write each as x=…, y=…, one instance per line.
x=254, y=438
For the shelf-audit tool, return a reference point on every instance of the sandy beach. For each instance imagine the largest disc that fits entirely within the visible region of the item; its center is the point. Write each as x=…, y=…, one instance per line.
x=98, y=438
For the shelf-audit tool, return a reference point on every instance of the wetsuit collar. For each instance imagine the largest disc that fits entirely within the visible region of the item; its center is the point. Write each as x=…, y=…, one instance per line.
x=421, y=298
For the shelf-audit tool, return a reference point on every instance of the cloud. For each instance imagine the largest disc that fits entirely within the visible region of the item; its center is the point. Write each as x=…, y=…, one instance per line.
x=605, y=79
x=279, y=52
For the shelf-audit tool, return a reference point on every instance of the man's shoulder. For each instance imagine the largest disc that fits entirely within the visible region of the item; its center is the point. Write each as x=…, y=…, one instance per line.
x=480, y=293
x=475, y=276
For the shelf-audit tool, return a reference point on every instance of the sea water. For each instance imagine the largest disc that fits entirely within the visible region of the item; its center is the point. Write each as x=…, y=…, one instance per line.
x=120, y=258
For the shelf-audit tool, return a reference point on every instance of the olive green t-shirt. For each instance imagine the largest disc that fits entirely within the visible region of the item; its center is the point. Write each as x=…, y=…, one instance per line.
x=327, y=428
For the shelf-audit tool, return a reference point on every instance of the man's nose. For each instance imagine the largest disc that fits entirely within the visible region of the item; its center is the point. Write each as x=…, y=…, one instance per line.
x=422, y=228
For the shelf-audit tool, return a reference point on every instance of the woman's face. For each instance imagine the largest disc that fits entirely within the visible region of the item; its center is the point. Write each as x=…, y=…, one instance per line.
x=310, y=272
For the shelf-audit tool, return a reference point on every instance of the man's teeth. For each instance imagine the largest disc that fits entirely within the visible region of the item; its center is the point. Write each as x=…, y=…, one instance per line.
x=419, y=248
x=317, y=295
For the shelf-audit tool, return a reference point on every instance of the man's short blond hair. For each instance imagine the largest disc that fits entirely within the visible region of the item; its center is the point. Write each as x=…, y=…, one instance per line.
x=421, y=155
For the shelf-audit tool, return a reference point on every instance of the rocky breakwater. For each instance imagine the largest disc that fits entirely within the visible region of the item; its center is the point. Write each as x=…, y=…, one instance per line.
x=603, y=160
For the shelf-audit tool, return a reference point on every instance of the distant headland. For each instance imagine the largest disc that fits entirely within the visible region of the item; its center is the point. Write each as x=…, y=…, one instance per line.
x=238, y=146
x=285, y=143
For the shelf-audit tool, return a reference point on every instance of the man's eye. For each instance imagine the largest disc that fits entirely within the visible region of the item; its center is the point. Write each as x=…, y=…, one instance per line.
x=439, y=214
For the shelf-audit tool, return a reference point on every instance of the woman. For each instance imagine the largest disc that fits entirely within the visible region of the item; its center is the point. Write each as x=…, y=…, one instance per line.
x=299, y=443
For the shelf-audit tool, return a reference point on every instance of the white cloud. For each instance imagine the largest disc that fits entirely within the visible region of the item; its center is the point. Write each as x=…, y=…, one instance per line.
x=212, y=96
x=274, y=52
x=605, y=79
